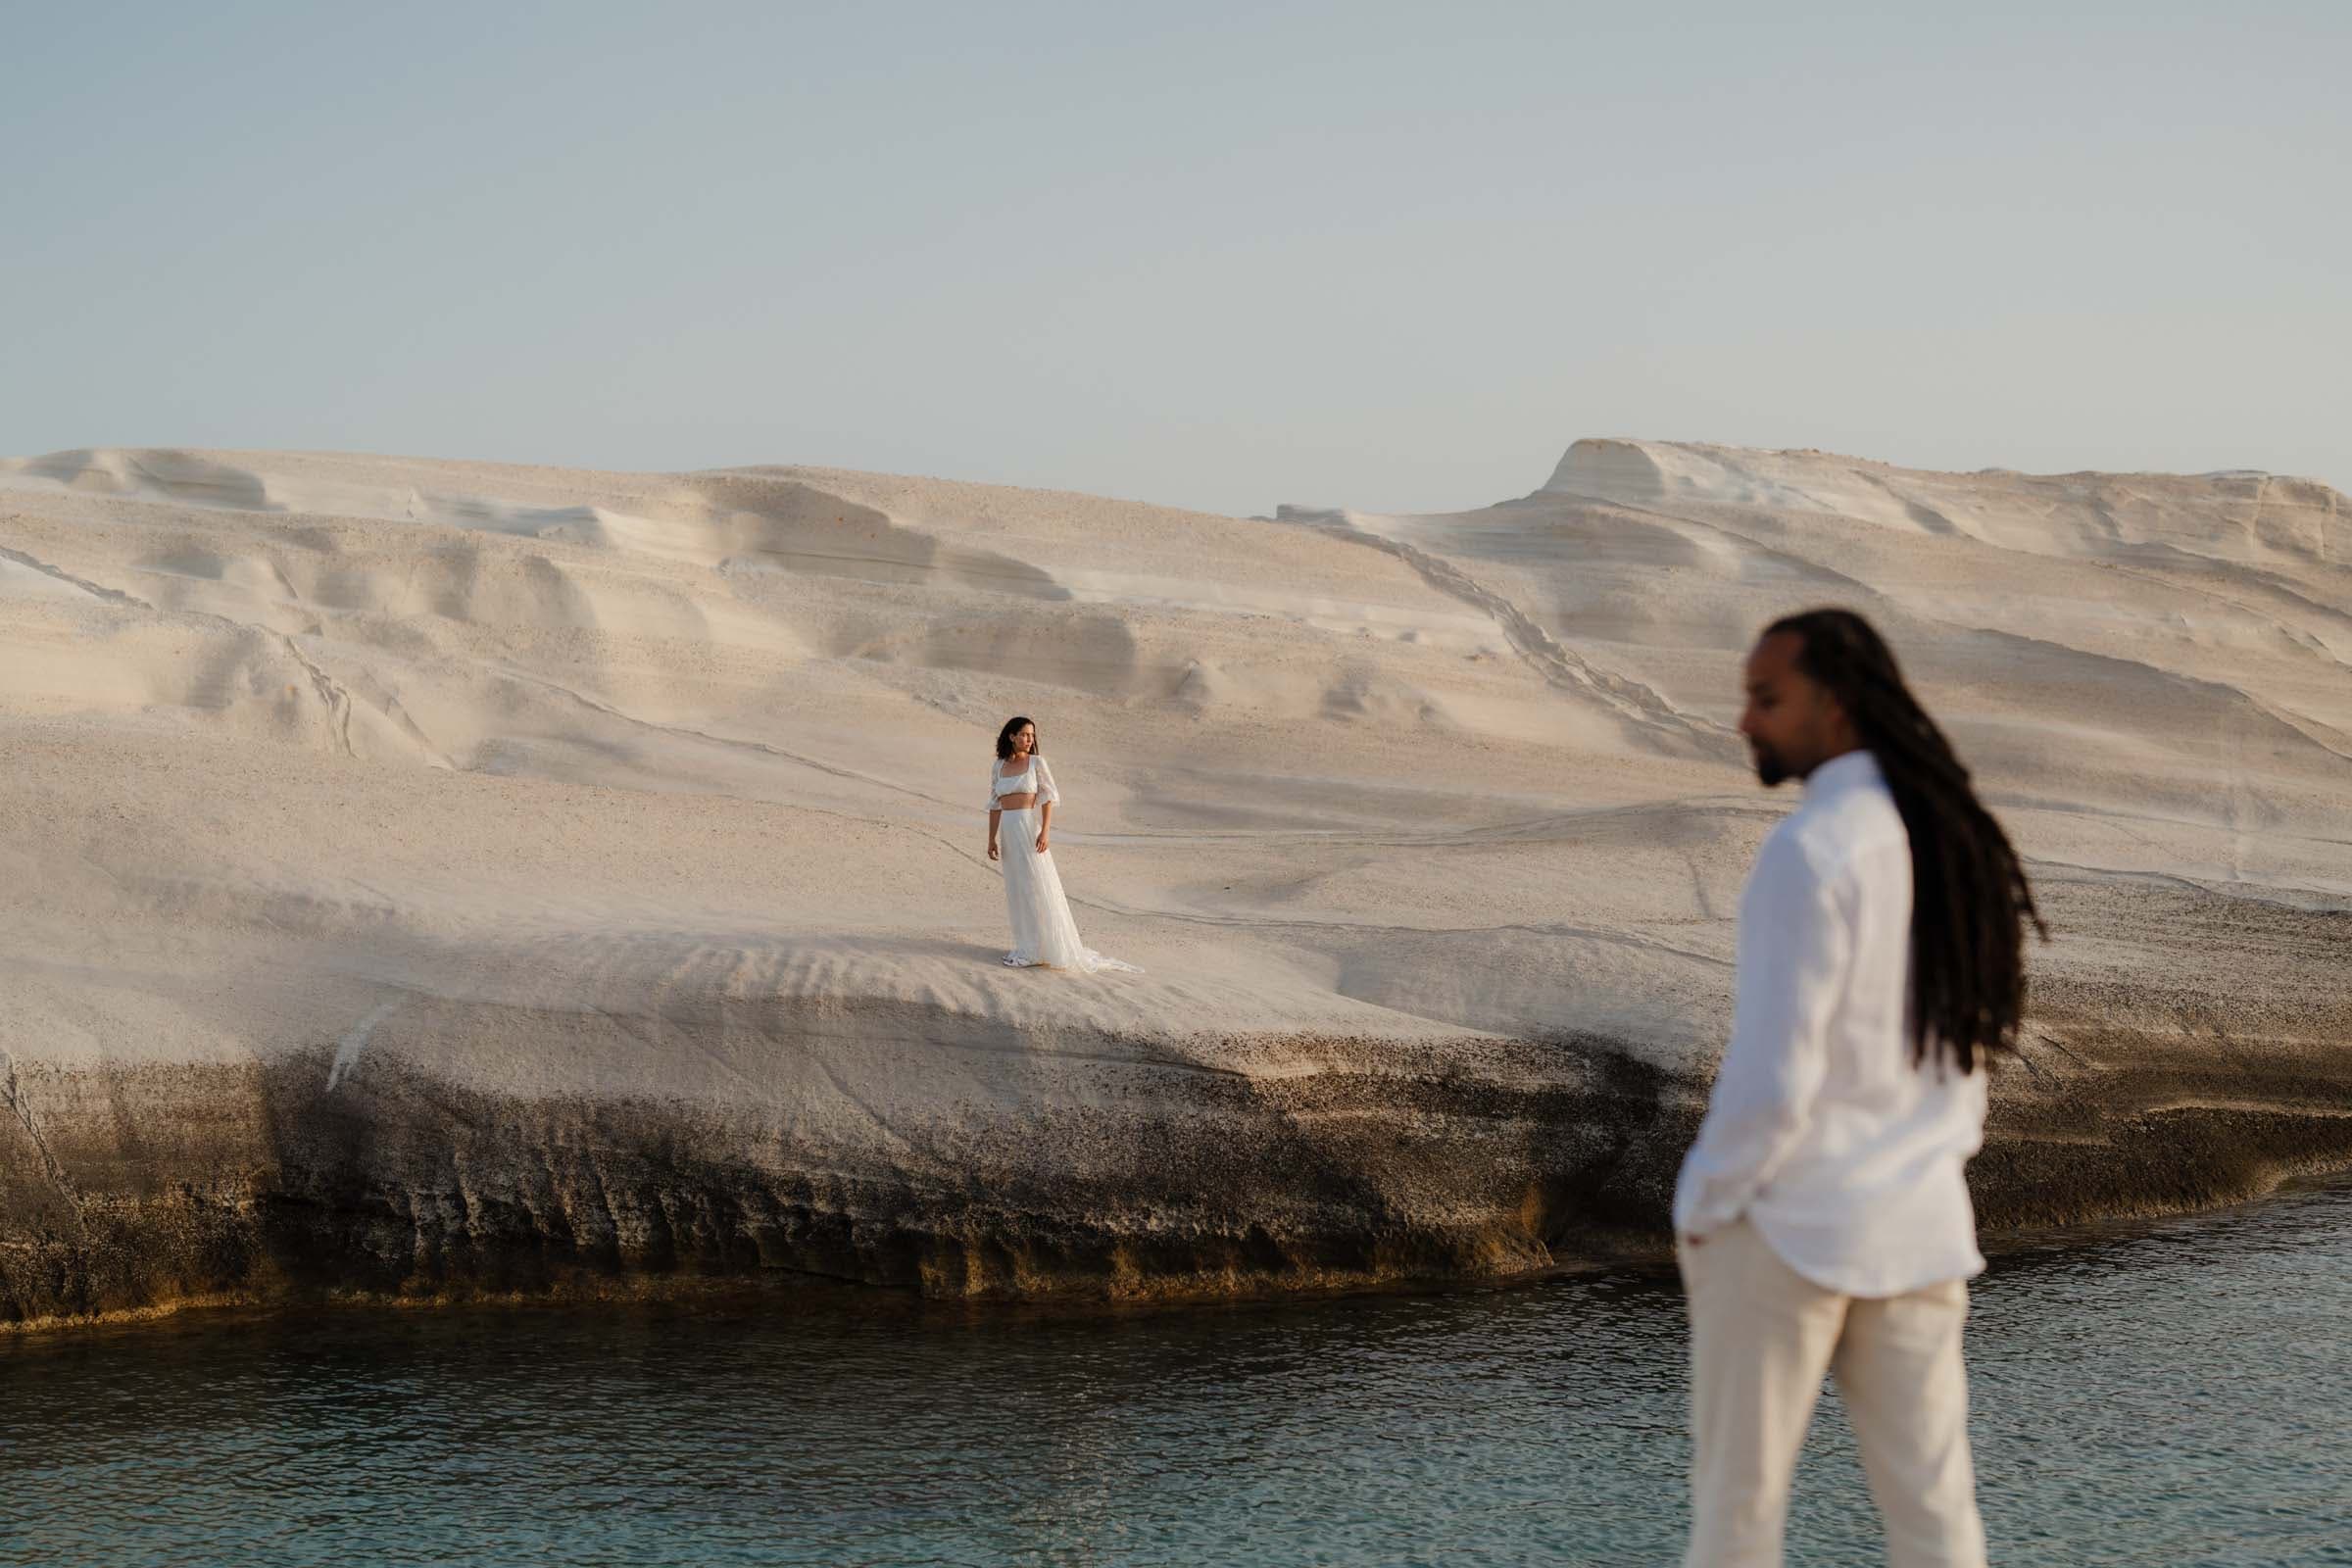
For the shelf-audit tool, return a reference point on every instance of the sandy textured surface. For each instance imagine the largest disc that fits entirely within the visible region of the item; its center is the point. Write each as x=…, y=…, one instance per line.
x=434, y=876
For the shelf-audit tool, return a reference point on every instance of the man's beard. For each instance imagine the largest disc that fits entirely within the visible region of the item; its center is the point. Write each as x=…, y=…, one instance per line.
x=1769, y=766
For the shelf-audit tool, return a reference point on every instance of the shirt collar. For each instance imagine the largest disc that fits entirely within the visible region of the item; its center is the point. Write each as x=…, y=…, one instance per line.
x=1841, y=773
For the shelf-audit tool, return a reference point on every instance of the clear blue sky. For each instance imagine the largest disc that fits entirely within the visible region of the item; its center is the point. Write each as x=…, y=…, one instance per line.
x=1376, y=255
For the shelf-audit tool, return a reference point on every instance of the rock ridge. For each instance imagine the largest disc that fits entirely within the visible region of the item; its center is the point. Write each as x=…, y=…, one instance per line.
x=445, y=879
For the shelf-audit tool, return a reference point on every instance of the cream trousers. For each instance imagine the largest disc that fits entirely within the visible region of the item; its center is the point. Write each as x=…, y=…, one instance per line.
x=1761, y=1337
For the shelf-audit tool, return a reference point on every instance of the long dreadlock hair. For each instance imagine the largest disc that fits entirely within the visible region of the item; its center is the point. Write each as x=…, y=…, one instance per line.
x=1969, y=896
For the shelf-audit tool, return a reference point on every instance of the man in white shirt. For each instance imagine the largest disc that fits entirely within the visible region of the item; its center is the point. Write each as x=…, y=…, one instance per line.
x=1822, y=1218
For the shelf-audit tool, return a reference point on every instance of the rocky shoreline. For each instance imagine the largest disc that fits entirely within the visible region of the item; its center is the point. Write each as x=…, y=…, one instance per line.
x=1206, y=1172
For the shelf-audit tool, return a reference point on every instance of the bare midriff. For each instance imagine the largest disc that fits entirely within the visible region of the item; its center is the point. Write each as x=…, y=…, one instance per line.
x=1015, y=803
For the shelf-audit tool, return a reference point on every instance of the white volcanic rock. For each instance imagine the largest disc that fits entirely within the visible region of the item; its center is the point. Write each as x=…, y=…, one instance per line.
x=438, y=876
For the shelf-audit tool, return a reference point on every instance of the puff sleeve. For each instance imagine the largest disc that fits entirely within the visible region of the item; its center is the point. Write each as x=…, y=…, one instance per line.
x=1047, y=794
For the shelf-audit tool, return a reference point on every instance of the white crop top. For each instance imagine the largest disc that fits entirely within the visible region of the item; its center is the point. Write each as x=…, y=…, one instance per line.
x=1022, y=783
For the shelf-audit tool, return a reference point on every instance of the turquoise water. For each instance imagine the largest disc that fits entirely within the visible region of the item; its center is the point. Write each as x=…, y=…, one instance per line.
x=2173, y=1396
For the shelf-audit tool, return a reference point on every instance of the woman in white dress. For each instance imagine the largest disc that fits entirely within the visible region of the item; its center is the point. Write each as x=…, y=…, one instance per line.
x=1021, y=797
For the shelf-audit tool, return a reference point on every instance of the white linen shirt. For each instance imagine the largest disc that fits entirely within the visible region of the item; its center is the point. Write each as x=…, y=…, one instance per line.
x=1822, y=1130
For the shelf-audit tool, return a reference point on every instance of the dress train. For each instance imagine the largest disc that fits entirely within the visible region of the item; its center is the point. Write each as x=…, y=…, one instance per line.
x=1044, y=935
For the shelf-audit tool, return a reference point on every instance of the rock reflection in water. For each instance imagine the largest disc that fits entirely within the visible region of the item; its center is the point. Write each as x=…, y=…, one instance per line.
x=2173, y=1395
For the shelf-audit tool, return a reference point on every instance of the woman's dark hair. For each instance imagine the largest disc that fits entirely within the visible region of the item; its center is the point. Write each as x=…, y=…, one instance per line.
x=1969, y=896
x=1013, y=727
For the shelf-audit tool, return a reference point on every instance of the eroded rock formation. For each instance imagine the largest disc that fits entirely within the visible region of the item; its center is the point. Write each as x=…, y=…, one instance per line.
x=433, y=879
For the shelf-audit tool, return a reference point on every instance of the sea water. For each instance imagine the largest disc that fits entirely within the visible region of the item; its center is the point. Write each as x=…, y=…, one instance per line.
x=2172, y=1394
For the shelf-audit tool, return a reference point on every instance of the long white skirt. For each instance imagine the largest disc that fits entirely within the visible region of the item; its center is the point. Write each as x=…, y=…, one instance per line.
x=1043, y=932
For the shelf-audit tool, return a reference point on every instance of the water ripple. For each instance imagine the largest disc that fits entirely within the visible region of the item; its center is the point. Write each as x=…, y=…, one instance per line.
x=2173, y=1396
